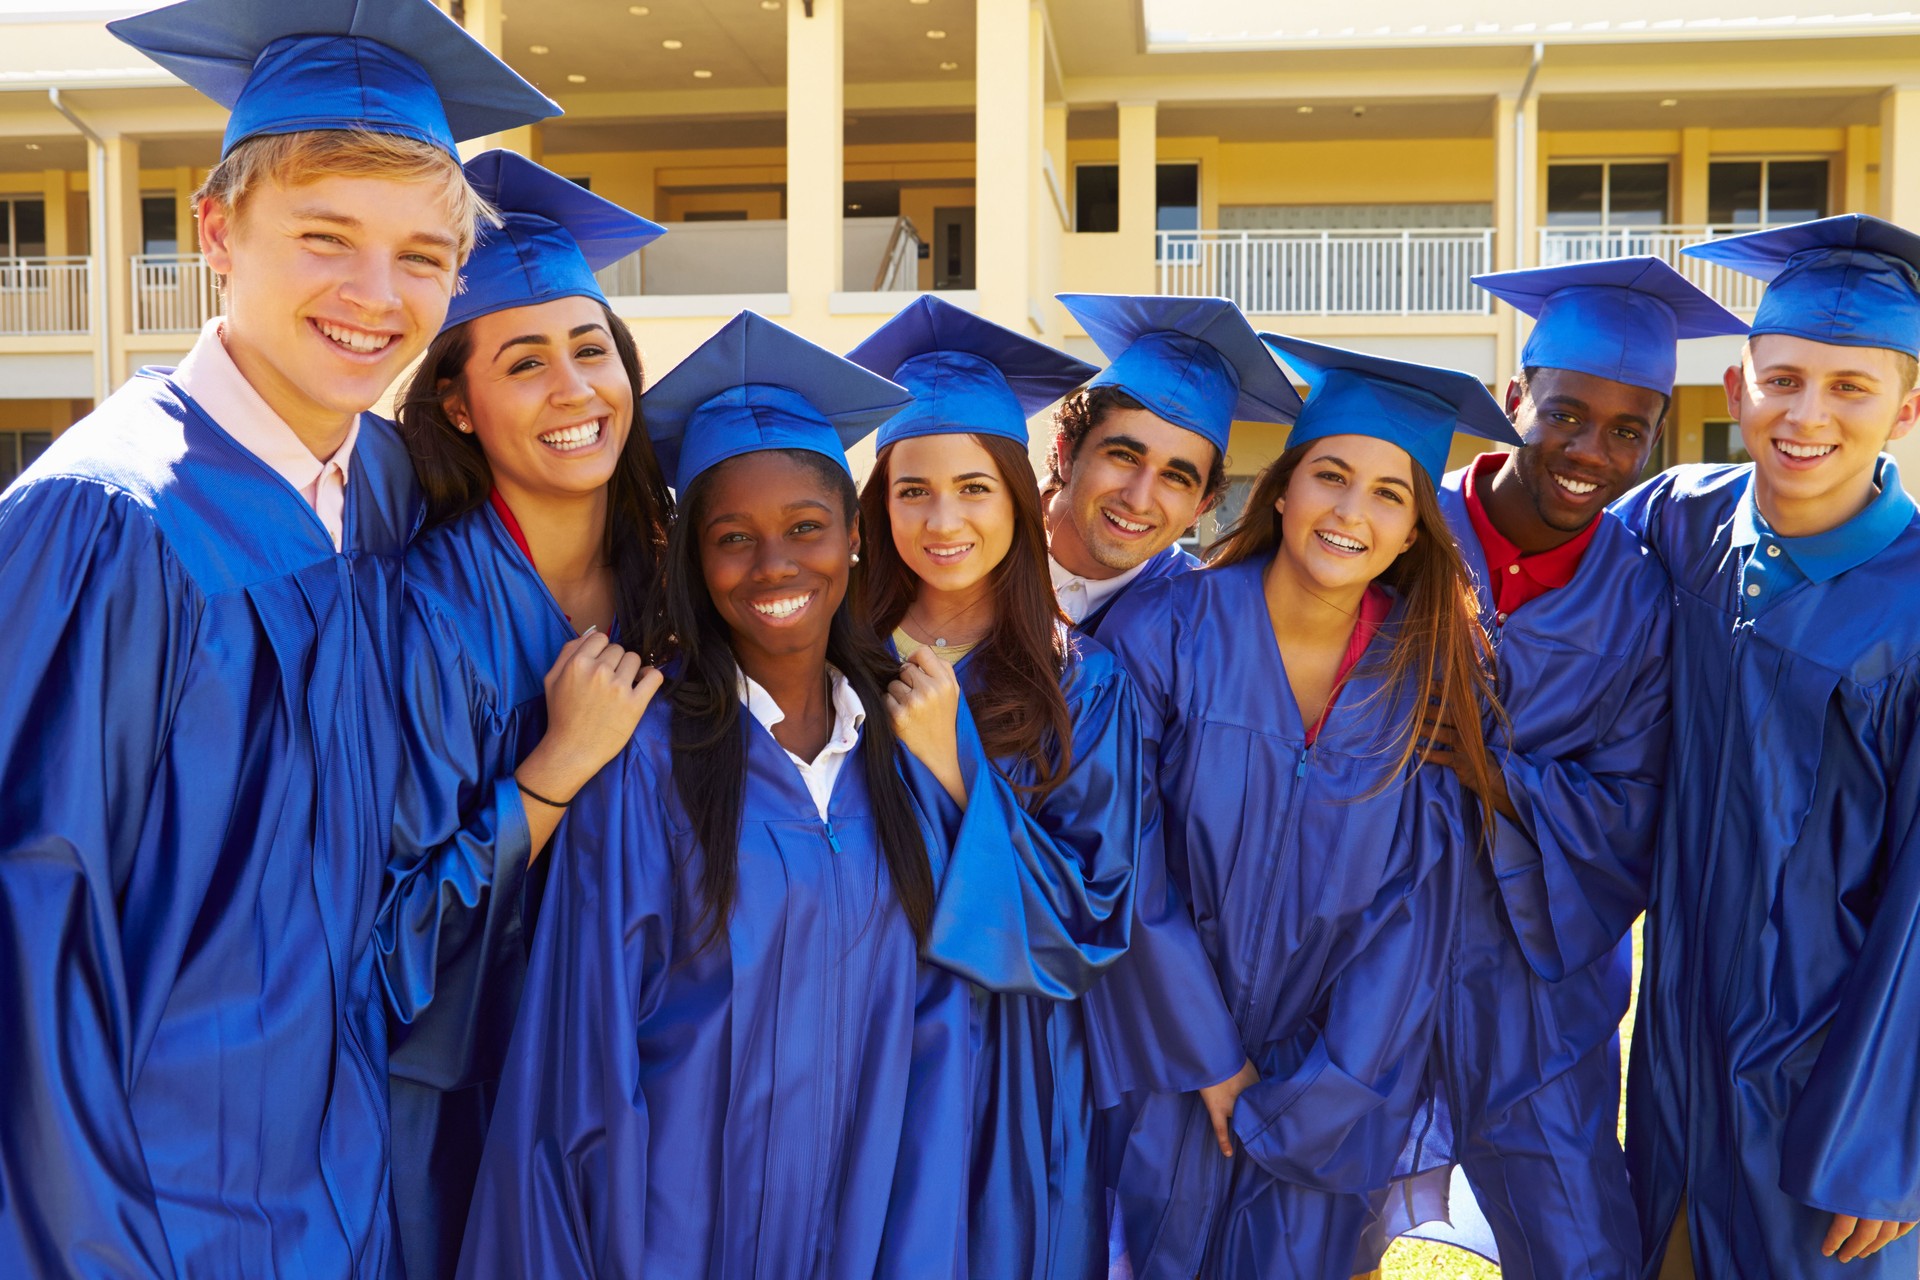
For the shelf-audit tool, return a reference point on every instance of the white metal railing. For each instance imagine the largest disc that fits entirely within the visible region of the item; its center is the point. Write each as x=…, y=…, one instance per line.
x=1735, y=291
x=172, y=293
x=41, y=296
x=1378, y=272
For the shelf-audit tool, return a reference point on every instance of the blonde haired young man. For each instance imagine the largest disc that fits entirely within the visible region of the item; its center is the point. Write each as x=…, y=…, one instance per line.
x=1772, y=1117
x=197, y=721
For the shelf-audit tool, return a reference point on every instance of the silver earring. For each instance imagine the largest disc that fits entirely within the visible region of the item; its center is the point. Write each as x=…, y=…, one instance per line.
x=856, y=558
x=464, y=425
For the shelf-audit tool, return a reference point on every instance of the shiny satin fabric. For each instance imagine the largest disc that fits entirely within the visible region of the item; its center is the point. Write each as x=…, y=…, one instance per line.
x=1542, y=964
x=1772, y=1080
x=1174, y=560
x=1036, y=902
x=1326, y=912
x=791, y=1102
x=198, y=742
x=480, y=632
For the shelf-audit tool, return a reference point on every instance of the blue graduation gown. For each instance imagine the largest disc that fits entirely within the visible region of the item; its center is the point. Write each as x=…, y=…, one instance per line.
x=792, y=1102
x=1772, y=1082
x=197, y=734
x=1173, y=561
x=1326, y=913
x=481, y=630
x=1037, y=902
x=1541, y=970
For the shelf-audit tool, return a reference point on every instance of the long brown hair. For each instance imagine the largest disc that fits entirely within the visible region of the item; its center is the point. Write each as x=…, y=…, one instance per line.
x=1020, y=711
x=455, y=477
x=1438, y=643
x=709, y=731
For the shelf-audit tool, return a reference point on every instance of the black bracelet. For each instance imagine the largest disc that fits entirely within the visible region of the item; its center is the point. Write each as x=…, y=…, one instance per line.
x=531, y=794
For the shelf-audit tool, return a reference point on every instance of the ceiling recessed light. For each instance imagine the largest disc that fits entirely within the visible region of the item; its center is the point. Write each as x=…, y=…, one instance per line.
x=1305, y=111
x=638, y=10
x=33, y=146
x=1669, y=102
x=669, y=44
x=576, y=78
x=538, y=48
x=936, y=35
x=703, y=74
x=920, y=1
x=949, y=66
x=769, y=5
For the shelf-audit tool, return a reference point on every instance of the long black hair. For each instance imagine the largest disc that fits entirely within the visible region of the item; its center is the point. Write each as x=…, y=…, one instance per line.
x=708, y=732
x=454, y=476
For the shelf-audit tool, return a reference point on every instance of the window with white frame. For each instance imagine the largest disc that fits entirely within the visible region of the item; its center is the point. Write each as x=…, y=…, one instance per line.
x=1757, y=193
x=1608, y=193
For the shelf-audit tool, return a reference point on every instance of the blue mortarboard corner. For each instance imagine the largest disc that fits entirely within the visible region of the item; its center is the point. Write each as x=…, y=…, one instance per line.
x=966, y=374
x=285, y=66
x=1851, y=281
x=554, y=235
x=755, y=386
x=1617, y=318
x=1195, y=362
x=1415, y=406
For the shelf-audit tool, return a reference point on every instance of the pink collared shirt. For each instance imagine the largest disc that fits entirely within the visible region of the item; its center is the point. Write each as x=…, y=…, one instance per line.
x=215, y=382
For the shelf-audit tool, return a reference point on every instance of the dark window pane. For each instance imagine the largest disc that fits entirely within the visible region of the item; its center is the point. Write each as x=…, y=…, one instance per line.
x=1177, y=197
x=32, y=445
x=1796, y=190
x=1573, y=195
x=9, y=457
x=585, y=184
x=1096, y=197
x=158, y=232
x=1733, y=192
x=1721, y=443
x=1637, y=194
x=30, y=228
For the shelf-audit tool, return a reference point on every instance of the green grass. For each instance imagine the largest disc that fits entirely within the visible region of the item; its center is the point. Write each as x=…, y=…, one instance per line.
x=1419, y=1260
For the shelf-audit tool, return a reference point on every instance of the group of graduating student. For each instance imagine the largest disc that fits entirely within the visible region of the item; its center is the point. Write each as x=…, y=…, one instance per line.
x=577, y=832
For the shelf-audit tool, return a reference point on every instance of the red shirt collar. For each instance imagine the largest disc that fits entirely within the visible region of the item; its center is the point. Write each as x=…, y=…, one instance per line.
x=501, y=509
x=1517, y=578
x=1375, y=605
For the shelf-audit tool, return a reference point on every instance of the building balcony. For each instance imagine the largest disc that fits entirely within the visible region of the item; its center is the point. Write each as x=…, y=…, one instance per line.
x=44, y=297
x=707, y=259
x=1391, y=272
x=1736, y=292
x=172, y=293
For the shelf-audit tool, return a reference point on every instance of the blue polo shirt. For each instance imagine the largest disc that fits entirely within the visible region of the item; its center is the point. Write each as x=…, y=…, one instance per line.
x=1775, y=565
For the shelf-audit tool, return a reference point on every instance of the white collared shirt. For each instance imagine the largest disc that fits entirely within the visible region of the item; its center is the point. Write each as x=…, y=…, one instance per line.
x=209, y=375
x=823, y=770
x=1079, y=596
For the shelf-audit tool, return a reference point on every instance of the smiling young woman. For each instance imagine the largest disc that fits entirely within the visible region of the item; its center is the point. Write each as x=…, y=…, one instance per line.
x=731, y=1055
x=1288, y=688
x=533, y=598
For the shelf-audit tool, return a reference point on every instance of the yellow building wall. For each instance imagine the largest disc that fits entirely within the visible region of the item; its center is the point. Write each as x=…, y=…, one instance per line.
x=42, y=415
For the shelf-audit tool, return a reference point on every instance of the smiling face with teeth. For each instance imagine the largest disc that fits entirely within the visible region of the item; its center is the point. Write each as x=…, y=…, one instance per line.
x=1132, y=487
x=1586, y=441
x=1814, y=417
x=549, y=400
x=333, y=287
x=951, y=518
x=1346, y=515
x=776, y=544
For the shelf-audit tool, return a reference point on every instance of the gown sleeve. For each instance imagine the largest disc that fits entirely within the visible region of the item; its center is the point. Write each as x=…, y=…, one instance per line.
x=1643, y=509
x=1039, y=903
x=1574, y=870
x=1852, y=1138
x=451, y=933
x=102, y=620
x=1157, y=1021
x=566, y=1165
x=1339, y=1120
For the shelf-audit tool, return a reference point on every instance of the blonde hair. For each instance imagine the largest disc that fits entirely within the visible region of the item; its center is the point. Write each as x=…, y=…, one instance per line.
x=291, y=159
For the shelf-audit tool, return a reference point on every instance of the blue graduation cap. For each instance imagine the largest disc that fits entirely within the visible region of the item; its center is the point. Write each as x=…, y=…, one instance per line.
x=554, y=235
x=1618, y=318
x=1193, y=361
x=755, y=386
x=1415, y=406
x=285, y=66
x=966, y=374
x=1852, y=281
